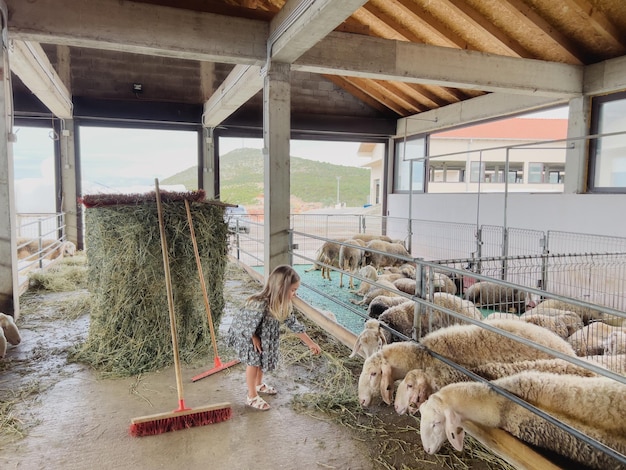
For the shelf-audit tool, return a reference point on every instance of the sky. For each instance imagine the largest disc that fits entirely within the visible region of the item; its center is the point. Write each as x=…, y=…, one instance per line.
x=132, y=158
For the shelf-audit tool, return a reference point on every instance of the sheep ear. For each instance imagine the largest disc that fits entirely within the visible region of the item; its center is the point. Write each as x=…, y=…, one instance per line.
x=381, y=337
x=454, y=430
x=356, y=348
x=386, y=383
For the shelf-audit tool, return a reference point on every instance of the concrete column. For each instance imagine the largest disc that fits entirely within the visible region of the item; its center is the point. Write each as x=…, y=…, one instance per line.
x=69, y=176
x=276, y=135
x=209, y=165
x=576, y=157
x=9, y=286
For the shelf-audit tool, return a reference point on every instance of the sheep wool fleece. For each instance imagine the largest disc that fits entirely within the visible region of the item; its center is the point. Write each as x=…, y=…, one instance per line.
x=256, y=319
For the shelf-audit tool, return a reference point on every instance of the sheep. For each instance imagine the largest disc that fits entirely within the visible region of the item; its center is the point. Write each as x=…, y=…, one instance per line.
x=406, y=285
x=615, y=343
x=406, y=269
x=366, y=272
x=379, y=260
x=30, y=249
x=440, y=283
x=588, y=404
x=401, y=317
x=589, y=340
x=613, y=362
x=585, y=313
x=350, y=258
x=419, y=384
x=491, y=295
x=328, y=254
x=370, y=340
x=3, y=344
x=468, y=345
x=366, y=237
x=562, y=322
x=382, y=303
x=388, y=290
x=10, y=330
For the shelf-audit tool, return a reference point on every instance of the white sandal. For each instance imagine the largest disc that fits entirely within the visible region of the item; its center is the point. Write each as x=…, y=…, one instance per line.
x=257, y=403
x=266, y=389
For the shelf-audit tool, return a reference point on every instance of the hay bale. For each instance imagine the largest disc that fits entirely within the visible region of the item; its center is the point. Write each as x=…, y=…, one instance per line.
x=129, y=331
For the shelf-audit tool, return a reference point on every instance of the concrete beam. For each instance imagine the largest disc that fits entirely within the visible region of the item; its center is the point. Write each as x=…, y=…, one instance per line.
x=608, y=76
x=383, y=59
x=30, y=63
x=481, y=108
x=140, y=28
x=243, y=82
x=301, y=24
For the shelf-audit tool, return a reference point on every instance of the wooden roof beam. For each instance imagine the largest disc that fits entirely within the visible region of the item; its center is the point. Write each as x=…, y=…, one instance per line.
x=615, y=37
x=347, y=85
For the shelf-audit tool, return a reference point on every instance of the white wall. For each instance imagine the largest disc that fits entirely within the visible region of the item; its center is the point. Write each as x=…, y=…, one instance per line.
x=598, y=214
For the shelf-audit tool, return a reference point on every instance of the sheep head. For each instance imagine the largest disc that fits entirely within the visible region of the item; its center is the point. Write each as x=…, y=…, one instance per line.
x=412, y=391
x=438, y=423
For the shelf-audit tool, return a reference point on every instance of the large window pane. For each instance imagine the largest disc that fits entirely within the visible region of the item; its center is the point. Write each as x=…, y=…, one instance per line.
x=407, y=165
x=609, y=153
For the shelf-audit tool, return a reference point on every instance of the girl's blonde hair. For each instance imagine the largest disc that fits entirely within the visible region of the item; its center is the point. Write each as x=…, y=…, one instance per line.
x=276, y=291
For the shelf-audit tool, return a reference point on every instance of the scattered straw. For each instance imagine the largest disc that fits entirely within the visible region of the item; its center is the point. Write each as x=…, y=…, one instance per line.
x=68, y=274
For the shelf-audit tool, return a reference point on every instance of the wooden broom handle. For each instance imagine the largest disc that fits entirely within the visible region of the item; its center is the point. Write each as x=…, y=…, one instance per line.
x=201, y=274
x=170, y=296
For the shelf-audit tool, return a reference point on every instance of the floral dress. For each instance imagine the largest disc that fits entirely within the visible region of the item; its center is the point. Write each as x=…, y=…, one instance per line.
x=255, y=319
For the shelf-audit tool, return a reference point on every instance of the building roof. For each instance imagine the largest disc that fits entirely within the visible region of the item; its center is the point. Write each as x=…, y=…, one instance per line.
x=511, y=129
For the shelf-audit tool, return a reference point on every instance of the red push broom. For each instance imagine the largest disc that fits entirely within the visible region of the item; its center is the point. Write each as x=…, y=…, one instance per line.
x=182, y=417
x=218, y=366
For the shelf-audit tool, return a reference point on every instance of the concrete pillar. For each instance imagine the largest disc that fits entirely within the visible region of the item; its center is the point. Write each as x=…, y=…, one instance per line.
x=9, y=286
x=69, y=176
x=576, y=156
x=209, y=165
x=276, y=135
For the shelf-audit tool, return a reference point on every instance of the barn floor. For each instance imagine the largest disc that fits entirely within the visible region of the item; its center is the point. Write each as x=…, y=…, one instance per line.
x=66, y=417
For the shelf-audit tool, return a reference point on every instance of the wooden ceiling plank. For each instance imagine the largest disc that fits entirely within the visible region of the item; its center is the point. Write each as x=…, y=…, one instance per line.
x=398, y=96
x=486, y=28
x=370, y=88
x=435, y=32
x=415, y=91
x=377, y=27
x=355, y=91
x=528, y=16
x=600, y=23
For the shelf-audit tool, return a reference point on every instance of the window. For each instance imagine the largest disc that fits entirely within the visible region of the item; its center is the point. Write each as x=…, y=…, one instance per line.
x=608, y=154
x=406, y=164
x=493, y=172
x=446, y=171
x=553, y=173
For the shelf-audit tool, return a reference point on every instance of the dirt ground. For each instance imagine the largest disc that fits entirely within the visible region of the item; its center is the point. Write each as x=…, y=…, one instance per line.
x=62, y=415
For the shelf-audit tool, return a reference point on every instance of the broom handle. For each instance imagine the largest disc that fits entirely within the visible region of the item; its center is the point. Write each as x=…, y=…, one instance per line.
x=201, y=274
x=170, y=299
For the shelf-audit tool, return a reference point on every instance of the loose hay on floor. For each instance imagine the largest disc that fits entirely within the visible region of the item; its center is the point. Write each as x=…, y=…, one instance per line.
x=129, y=331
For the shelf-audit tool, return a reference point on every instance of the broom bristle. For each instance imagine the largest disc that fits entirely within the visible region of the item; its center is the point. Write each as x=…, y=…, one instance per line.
x=175, y=422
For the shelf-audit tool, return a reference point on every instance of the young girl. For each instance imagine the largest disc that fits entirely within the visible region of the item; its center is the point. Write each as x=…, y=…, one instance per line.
x=254, y=333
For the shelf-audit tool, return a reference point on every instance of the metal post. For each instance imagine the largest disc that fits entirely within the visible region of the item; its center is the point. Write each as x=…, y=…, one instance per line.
x=40, y=242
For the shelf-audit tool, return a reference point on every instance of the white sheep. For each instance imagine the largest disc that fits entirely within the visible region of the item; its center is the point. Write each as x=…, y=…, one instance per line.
x=615, y=343
x=366, y=237
x=368, y=273
x=585, y=313
x=370, y=340
x=328, y=254
x=388, y=290
x=3, y=344
x=401, y=317
x=350, y=258
x=468, y=345
x=419, y=384
x=613, y=362
x=590, y=339
x=594, y=406
x=562, y=322
x=382, y=303
x=495, y=296
x=10, y=330
x=392, y=250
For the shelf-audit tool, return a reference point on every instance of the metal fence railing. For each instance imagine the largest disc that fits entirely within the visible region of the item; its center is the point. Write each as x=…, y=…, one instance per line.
x=40, y=238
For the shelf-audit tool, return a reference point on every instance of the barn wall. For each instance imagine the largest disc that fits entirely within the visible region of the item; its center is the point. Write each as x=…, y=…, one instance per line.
x=582, y=213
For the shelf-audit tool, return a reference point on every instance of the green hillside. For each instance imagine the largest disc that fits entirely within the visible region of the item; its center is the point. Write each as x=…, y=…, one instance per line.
x=242, y=180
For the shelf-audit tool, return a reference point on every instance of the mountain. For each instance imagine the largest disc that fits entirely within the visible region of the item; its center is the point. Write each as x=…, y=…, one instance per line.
x=241, y=176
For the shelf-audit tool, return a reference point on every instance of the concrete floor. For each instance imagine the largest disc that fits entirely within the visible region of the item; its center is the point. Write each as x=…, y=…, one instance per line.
x=76, y=421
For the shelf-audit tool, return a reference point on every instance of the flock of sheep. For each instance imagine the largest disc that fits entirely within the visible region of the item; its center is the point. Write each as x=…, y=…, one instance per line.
x=444, y=396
